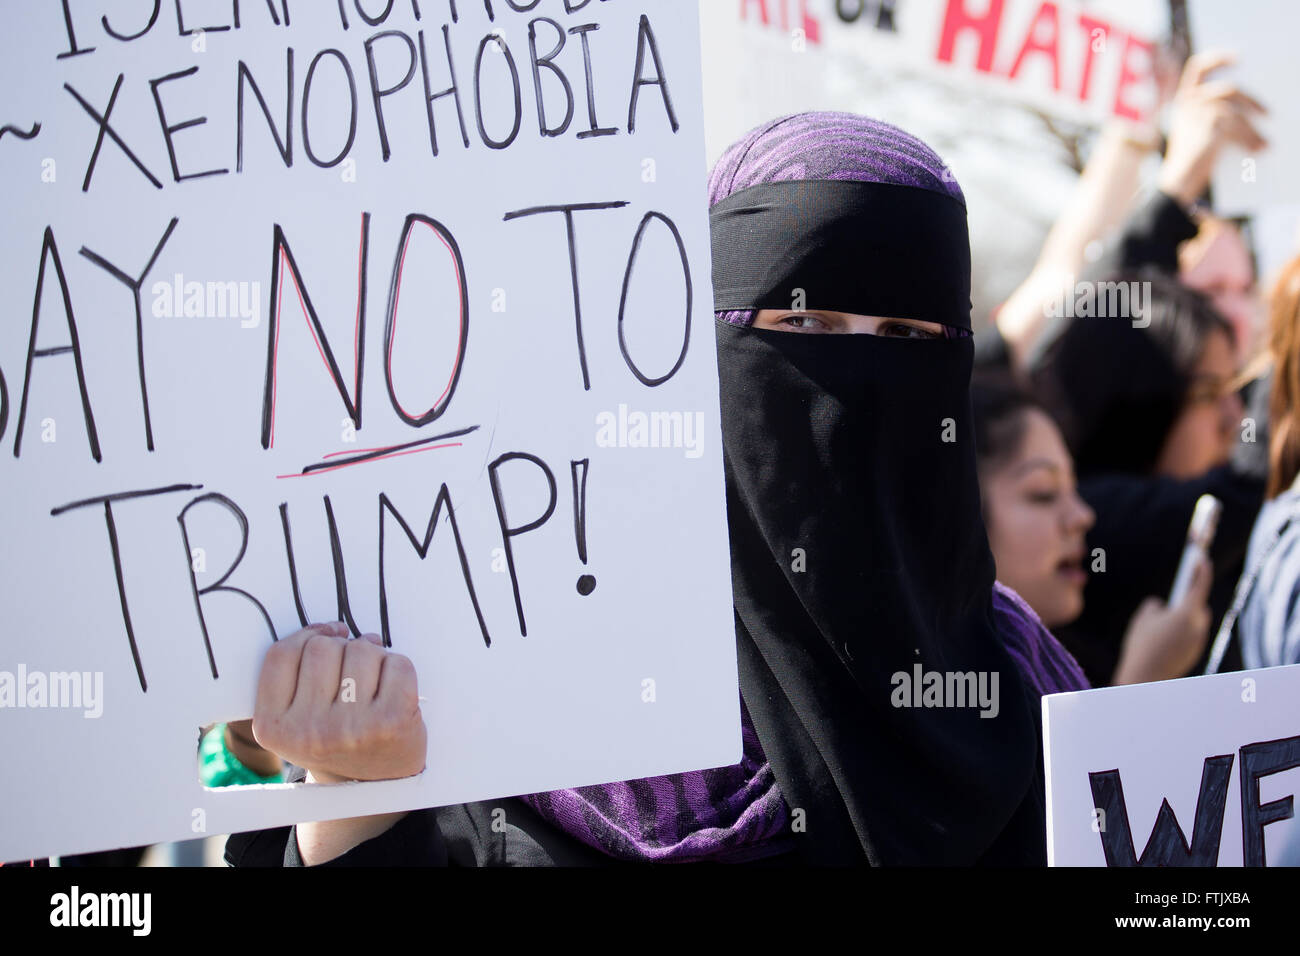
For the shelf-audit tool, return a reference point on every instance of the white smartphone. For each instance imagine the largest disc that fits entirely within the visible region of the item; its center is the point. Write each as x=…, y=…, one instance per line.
x=1200, y=535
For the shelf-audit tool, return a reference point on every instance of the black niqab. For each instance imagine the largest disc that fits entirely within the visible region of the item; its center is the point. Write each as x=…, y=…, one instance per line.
x=859, y=552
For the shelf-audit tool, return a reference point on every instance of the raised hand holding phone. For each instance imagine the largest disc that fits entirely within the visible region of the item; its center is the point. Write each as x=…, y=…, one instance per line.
x=1164, y=641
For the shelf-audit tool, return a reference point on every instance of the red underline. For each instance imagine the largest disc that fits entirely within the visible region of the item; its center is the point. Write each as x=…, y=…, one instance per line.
x=396, y=454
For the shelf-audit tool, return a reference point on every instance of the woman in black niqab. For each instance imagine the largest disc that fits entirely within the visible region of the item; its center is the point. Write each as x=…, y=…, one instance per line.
x=862, y=576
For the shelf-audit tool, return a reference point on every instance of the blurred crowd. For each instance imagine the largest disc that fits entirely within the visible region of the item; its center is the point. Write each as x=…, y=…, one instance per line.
x=1141, y=365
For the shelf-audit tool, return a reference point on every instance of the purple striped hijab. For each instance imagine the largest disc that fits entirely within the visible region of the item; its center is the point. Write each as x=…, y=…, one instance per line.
x=729, y=814
x=733, y=813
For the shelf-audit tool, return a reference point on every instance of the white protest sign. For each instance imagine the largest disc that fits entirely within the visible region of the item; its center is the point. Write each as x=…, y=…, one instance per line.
x=1085, y=62
x=398, y=313
x=1200, y=771
x=1262, y=35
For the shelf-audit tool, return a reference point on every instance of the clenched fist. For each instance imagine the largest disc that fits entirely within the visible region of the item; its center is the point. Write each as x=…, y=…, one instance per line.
x=343, y=709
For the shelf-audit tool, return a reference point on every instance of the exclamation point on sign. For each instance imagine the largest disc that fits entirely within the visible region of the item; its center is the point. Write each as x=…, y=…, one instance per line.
x=578, y=469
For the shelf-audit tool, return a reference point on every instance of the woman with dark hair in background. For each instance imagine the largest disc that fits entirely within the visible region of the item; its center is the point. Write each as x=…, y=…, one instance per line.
x=1148, y=403
x=1037, y=525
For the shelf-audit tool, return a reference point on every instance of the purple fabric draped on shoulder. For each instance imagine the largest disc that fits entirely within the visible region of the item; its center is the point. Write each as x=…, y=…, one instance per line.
x=727, y=815
x=1042, y=660
x=828, y=146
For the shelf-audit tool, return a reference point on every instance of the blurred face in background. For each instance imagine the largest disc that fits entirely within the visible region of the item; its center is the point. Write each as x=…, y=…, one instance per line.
x=1205, y=432
x=1217, y=263
x=1037, y=521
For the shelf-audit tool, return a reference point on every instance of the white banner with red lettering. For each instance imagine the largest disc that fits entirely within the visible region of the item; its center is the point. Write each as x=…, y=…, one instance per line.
x=1085, y=62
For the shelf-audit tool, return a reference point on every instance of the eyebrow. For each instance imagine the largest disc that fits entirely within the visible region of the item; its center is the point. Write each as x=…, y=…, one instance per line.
x=1035, y=463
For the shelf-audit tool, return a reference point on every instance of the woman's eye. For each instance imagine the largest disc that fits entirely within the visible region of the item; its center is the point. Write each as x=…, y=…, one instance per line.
x=900, y=330
x=1042, y=497
x=804, y=323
